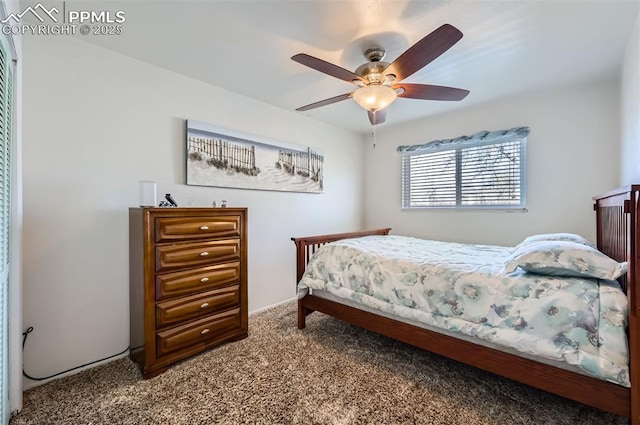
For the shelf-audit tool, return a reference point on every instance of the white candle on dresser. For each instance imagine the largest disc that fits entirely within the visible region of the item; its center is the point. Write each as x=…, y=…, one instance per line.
x=148, y=194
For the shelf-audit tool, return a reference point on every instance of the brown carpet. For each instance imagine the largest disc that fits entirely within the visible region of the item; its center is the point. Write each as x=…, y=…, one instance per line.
x=330, y=373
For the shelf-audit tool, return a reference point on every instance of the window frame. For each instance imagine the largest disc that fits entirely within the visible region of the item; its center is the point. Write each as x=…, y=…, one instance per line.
x=458, y=148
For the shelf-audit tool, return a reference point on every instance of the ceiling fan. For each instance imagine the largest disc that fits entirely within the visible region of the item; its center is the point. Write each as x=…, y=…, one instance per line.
x=379, y=83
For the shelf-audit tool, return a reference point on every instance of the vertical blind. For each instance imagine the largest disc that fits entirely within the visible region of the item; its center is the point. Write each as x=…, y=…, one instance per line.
x=6, y=117
x=485, y=170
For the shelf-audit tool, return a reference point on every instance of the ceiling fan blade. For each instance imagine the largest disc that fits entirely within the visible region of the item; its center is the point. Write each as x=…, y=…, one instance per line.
x=424, y=51
x=377, y=117
x=325, y=102
x=429, y=92
x=326, y=67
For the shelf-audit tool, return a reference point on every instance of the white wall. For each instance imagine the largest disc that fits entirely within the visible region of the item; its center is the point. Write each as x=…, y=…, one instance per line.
x=95, y=123
x=572, y=155
x=630, y=114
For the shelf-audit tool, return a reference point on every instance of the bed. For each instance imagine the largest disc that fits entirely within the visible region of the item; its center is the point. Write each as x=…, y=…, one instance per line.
x=608, y=385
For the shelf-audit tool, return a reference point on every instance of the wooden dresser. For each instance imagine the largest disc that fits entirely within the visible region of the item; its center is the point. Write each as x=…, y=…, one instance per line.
x=188, y=282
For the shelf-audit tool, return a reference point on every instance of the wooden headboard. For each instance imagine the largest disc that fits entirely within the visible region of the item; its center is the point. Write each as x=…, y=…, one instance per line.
x=618, y=228
x=616, y=224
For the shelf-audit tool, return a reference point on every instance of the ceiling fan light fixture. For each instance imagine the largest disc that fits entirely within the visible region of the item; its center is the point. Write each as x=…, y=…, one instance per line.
x=374, y=97
x=379, y=83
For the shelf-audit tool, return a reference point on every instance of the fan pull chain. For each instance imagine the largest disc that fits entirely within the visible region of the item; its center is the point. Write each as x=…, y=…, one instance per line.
x=373, y=134
x=373, y=130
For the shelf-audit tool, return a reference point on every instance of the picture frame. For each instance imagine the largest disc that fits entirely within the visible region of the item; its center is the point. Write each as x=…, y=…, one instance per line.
x=221, y=157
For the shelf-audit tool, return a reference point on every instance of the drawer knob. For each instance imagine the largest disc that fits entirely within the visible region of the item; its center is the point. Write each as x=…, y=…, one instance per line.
x=204, y=279
x=204, y=254
x=204, y=331
x=204, y=227
x=204, y=305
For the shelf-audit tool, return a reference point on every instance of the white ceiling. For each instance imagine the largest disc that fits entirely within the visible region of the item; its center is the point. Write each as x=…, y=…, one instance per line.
x=509, y=47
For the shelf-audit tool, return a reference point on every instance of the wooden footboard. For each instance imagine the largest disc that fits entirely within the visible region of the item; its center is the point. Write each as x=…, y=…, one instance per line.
x=307, y=246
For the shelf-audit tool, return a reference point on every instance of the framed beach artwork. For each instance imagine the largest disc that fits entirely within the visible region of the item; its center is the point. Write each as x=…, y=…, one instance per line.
x=222, y=157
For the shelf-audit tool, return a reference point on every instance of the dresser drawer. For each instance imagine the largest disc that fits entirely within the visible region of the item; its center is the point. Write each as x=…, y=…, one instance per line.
x=170, y=285
x=190, y=228
x=187, y=308
x=196, y=254
x=218, y=326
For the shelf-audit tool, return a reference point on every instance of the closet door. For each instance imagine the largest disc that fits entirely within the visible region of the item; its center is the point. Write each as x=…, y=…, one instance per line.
x=6, y=116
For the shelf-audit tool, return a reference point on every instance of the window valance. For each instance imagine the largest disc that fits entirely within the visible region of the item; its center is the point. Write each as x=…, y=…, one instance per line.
x=477, y=139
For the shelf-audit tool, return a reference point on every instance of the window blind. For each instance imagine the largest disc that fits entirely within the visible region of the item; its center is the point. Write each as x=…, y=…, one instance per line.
x=486, y=170
x=6, y=117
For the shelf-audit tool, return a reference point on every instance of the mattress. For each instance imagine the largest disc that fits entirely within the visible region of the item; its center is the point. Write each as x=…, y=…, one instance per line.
x=464, y=291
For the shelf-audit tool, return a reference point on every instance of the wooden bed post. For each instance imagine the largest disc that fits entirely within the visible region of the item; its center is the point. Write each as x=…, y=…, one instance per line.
x=301, y=263
x=633, y=294
x=303, y=312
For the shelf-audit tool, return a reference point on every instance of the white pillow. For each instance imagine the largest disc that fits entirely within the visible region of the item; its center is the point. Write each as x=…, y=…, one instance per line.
x=562, y=258
x=568, y=237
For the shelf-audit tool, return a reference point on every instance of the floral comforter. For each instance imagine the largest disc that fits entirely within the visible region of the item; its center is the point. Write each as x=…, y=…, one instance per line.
x=463, y=288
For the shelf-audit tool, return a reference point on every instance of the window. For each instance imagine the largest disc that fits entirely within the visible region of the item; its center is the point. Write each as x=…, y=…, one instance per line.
x=6, y=134
x=486, y=170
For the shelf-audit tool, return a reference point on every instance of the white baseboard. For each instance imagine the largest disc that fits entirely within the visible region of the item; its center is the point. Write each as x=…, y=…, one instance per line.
x=28, y=383
x=261, y=309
